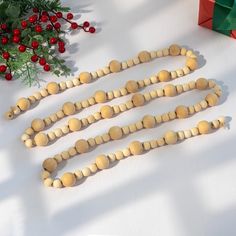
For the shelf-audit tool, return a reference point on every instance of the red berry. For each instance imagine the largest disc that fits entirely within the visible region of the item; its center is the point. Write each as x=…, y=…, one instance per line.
x=57, y=25
x=59, y=14
x=53, y=19
x=46, y=67
x=22, y=48
x=92, y=30
x=16, y=39
x=3, y=68
x=8, y=76
x=33, y=18
x=6, y=55
x=61, y=44
x=69, y=16
x=38, y=28
x=44, y=18
x=34, y=58
x=44, y=13
x=34, y=44
x=16, y=32
x=53, y=40
x=61, y=49
x=24, y=24
x=74, y=25
x=86, y=24
x=3, y=26
x=49, y=27
x=4, y=40
x=42, y=61
x=35, y=10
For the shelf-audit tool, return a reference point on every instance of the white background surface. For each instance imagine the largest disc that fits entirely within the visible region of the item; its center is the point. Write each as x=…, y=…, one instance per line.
x=185, y=189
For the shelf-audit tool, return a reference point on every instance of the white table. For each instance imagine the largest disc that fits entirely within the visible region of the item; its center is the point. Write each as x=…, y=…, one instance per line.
x=185, y=189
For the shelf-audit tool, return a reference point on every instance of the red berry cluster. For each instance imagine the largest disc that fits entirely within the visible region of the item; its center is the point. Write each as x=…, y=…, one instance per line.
x=39, y=22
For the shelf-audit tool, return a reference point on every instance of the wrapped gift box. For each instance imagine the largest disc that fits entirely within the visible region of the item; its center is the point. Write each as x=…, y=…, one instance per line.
x=218, y=15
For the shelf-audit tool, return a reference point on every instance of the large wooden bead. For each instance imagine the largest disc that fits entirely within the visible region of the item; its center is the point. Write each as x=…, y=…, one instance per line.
x=192, y=63
x=82, y=146
x=85, y=77
x=23, y=104
x=204, y=127
x=181, y=112
x=212, y=99
x=170, y=90
x=138, y=99
x=149, y=121
x=74, y=124
x=50, y=164
x=144, y=56
x=100, y=96
x=38, y=125
x=202, y=83
x=102, y=162
x=174, y=50
x=52, y=88
x=68, y=108
x=164, y=75
x=171, y=137
x=106, y=111
x=115, y=66
x=136, y=148
x=68, y=179
x=132, y=86
x=115, y=132
x=41, y=139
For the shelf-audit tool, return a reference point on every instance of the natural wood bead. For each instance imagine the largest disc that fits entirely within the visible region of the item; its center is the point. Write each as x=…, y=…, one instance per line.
x=131, y=86
x=192, y=63
x=171, y=137
x=153, y=94
x=132, y=128
x=119, y=155
x=91, y=142
x=41, y=139
x=136, y=148
x=212, y=83
x=186, y=70
x=115, y=132
x=139, y=125
x=159, y=53
x=194, y=131
x=170, y=90
x=123, y=91
x=62, y=85
x=106, y=137
x=68, y=108
x=179, y=88
x=102, y=162
x=24, y=137
x=160, y=92
x=100, y=96
x=82, y=146
x=126, y=152
x=57, y=183
x=183, y=51
x=197, y=107
x=111, y=157
x=141, y=83
x=144, y=56
x=51, y=135
x=65, y=155
x=58, y=158
x=37, y=95
x=60, y=114
x=129, y=105
x=180, y=135
x=173, y=74
x=153, y=144
x=202, y=84
x=187, y=134
x=98, y=139
x=106, y=70
x=47, y=121
x=174, y=50
x=149, y=121
x=125, y=130
x=93, y=167
x=48, y=182
x=186, y=87
x=136, y=60
x=85, y=77
x=164, y=75
x=122, y=107
x=158, y=119
x=97, y=115
x=53, y=117
x=138, y=99
x=84, y=122
x=154, y=79
x=147, y=146
x=130, y=63
x=86, y=172
x=124, y=65
x=9, y=115
x=216, y=124
x=29, y=143
x=116, y=109
x=172, y=115
x=110, y=95
x=72, y=151
x=147, y=96
x=165, y=117
x=204, y=104
x=222, y=121
x=38, y=125
x=153, y=54
x=91, y=119
x=78, y=105
x=166, y=52
x=23, y=104
x=116, y=93
x=44, y=92
x=50, y=164
x=58, y=132
x=192, y=84
x=45, y=174
x=181, y=112
x=68, y=179
x=189, y=53
x=204, y=127
x=53, y=88
x=147, y=81
x=179, y=72
x=76, y=81
x=115, y=66
x=32, y=99
x=161, y=142
x=94, y=74
x=79, y=174
x=191, y=110
x=212, y=99
x=85, y=104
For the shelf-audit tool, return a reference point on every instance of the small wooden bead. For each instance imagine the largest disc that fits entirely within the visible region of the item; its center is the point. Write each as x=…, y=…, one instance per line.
x=147, y=146
x=51, y=135
x=186, y=70
x=179, y=88
x=16, y=110
x=164, y=75
x=125, y=130
x=52, y=88
x=202, y=84
x=160, y=92
x=204, y=127
x=45, y=174
x=37, y=95
x=116, y=109
x=144, y=56
x=29, y=131
x=9, y=115
x=116, y=93
x=97, y=115
x=187, y=134
x=159, y=53
x=72, y=151
x=192, y=63
x=62, y=85
x=76, y=81
x=212, y=83
x=85, y=104
x=23, y=104
x=115, y=66
x=130, y=63
x=172, y=115
x=192, y=84
x=123, y=91
x=115, y=132
x=106, y=70
x=161, y=142
x=181, y=112
x=147, y=96
x=91, y=142
x=153, y=94
x=197, y=107
x=180, y=135
x=68, y=179
x=58, y=158
x=84, y=122
x=141, y=83
x=191, y=110
x=47, y=121
x=98, y=139
x=112, y=157
x=165, y=117
x=126, y=152
x=58, y=132
x=166, y=52
x=194, y=131
x=41, y=139
x=136, y=60
x=153, y=144
x=86, y=172
x=32, y=99
x=212, y=99
x=124, y=65
x=50, y=164
x=68, y=108
x=78, y=106
x=170, y=90
x=110, y=95
x=29, y=143
x=91, y=119
x=180, y=72
x=174, y=50
x=102, y=162
x=189, y=53
x=153, y=54
x=57, y=183
x=79, y=174
x=132, y=128
x=38, y=125
x=24, y=137
x=204, y=104
x=139, y=125
x=173, y=74
x=82, y=146
x=153, y=79
x=186, y=87
x=136, y=148
x=129, y=105
x=171, y=137
x=91, y=101
x=60, y=114
x=138, y=99
x=216, y=124
x=65, y=155
x=183, y=51
x=106, y=137
x=149, y=121
x=85, y=77
x=147, y=81
x=48, y=182
x=94, y=75
x=100, y=96
x=132, y=86
x=119, y=155
x=158, y=119
x=122, y=107
x=93, y=167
